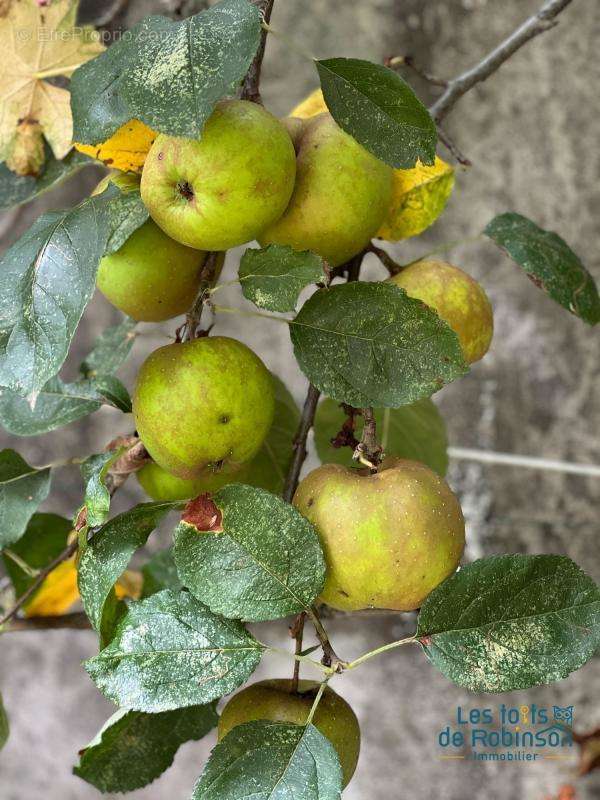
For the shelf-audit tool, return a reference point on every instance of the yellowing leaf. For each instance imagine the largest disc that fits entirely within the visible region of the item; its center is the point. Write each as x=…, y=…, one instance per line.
x=126, y=149
x=419, y=196
x=57, y=593
x=312, y=105
x=38, y=42
x=130, y=584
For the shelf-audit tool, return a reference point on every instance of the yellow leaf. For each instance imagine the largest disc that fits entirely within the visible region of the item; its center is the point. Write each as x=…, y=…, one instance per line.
x=312, y=105
x=130, y=584
x=57, y=593
x=126, y=149
x=419, y=196
x=38, y=42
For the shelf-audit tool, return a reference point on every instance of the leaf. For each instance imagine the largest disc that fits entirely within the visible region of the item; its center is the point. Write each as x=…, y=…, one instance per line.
x=416, y=431
x=133, y=748
x=111, y=350
x=4, y=727
x=374, y=105
x=261, y=560
x=45, y=537
x=127, y=213
x=17, y=189
x=113, y=392
x=549, y=262
x=511, y=622
x=170, y=651
x=46, y=281
x=269, y=467
x=109, y=551
x=22, y=489
x=96, y=498
x=160, y=573
x=125, y=150
x=168, y=74
x=370, y=344
x=274, y=276
x=57, y=404
x=39, y=43
x=274, y=760
x=419, y=196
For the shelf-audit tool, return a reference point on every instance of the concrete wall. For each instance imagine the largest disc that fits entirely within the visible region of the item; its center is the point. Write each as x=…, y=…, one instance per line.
x=531, y=132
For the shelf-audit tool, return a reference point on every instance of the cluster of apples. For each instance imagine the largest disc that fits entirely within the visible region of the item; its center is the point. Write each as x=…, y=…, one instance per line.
x=204, y=407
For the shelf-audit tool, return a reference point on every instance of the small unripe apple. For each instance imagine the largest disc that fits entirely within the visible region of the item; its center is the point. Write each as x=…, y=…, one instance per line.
x=163, y=486
x=341, y=196
x=151, y=277
x=224, y=188
x=456, y=297
x=389, y=538
x=207, y=403
x=273, y=700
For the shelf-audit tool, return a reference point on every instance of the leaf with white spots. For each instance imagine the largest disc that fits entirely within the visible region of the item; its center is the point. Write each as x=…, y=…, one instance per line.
x=273, y=277
x=549, y=263
x=511, y=622
x=46, y=280
x=271, y=760
x=370, y=344
x=379, y=109
x=248, y=554
x=170, y=651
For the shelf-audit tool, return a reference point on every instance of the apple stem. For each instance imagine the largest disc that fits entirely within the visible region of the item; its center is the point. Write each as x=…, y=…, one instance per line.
x=317, y=700
x=368, y=451
x=330, y=658
x=388, y=262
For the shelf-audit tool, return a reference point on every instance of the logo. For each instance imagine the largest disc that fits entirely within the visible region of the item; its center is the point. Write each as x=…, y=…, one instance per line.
x=505, y=733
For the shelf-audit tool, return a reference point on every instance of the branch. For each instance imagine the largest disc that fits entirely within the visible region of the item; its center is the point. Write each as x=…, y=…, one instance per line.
x=250, y=88
x=388, y=262
x=75, y=621
x=297, y=632
x=208, y=275
x=535, y=25
x=330, y=658
x=368, y=451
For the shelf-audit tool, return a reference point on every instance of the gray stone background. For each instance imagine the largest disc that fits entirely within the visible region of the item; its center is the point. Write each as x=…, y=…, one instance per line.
x=532, y=134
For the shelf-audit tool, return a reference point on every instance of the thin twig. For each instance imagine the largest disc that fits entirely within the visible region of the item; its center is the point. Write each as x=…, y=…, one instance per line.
x=528, y=462
x=388, y=262
x=408, y=61
x=453, y=148
x=297, y=632
x=330, y=658
x=250, y=88
x=300, y=452
x=208, y=275
x=535, y=25
x=77, y=621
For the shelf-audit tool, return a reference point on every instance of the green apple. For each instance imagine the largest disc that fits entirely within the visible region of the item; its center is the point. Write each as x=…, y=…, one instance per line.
x=222, y=189
x=389, y=538
x=151, y=277
x=456, y=297
x=207, y=403
x=273, y=700
x=162, y=486
x=341, y=196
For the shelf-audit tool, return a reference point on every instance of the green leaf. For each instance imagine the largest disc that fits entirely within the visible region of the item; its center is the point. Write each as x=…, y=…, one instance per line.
x=45, y=537
x=168, y=74
x=107, y=554
x=416, y=432
x=374, y=105
x=370, y=344
x=274, y=276
x=4, y=727
x=247, y=554
x=46, y=281
x=113, y=392
x=96, y=497
x=17, y=189
x=133, y=748
x=170, y=651
x=127, y=213
x=511, y=622
x=111, y=350
x=271, y=760
x=269, y=467
x=549, y=262
x=22, y=489
x=160, y=573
